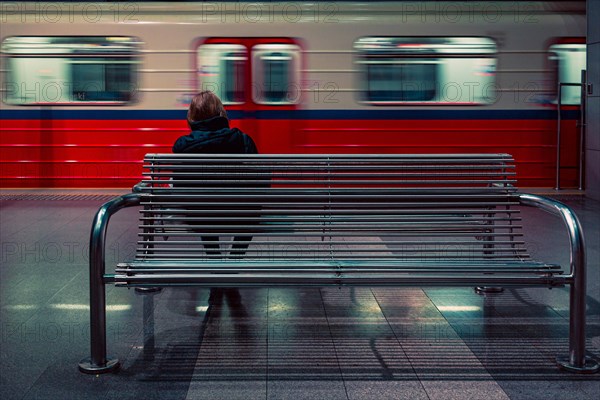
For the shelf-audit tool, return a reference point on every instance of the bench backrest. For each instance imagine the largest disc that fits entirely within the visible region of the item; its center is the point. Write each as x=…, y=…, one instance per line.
x=330, y=207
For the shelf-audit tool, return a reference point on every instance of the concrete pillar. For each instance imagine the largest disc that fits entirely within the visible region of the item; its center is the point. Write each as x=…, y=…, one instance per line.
x=592, y=139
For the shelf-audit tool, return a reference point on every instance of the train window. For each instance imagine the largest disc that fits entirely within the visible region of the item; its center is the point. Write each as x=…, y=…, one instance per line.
x=222, y=69
x=391, y=81
x=76, y=70
x=568, y=60
x=413, y=70
x=97, y=80
x=276, y=74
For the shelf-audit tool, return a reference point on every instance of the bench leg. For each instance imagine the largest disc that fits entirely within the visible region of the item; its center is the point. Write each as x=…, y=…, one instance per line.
x=488, y=289
x=148, y=325
x=577, y=361
x=98, y=363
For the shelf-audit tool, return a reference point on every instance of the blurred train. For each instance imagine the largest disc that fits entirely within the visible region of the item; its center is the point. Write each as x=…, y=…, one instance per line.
x=89, y=88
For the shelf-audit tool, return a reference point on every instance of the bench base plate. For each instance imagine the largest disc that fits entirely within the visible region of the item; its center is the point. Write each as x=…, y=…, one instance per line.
x=488, y=289
x=87, y=367
x=590, y=367
x=146, y=290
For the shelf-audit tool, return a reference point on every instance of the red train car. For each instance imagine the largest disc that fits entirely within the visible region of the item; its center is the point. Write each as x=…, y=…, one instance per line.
x=89, y=88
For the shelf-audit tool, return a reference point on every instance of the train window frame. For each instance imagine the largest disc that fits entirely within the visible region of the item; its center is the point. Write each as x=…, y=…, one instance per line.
x=52, y=81
x=563, y=65
x=474, y=57
x=211, y=66
x=270, y=53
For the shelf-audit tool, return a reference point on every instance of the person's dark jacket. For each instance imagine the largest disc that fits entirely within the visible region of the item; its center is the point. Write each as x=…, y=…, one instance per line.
x=214, y=135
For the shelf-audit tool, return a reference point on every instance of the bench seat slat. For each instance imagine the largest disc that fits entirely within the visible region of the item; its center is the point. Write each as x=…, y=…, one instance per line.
x=282, y=233
x=339, y=264
x=346, y=243
x=284, y=270
x=325, y=279
x=373, y=262
x=195, y=256
x=408, y=206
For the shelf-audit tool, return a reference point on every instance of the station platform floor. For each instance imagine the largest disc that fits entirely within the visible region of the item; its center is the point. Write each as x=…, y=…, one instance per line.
x=303, y=343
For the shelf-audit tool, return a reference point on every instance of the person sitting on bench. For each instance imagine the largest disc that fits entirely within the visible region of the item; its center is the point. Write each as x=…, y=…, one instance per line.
x=211, y=133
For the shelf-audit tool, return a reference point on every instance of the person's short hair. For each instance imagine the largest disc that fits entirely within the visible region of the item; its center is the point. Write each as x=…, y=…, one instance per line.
x=205, y=105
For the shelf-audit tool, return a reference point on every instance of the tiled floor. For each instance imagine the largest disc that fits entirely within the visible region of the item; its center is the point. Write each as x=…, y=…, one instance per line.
x=309, y=343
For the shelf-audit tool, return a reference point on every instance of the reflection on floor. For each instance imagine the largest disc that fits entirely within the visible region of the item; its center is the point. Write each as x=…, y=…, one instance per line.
x=306, y=343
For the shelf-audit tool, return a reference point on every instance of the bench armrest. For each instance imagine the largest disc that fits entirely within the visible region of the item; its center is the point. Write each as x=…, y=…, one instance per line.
x=577, y=242
x=576, y=361
x=100, y=226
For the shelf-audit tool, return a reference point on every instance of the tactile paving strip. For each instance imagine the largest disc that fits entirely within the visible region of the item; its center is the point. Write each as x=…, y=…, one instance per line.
x=56, y=197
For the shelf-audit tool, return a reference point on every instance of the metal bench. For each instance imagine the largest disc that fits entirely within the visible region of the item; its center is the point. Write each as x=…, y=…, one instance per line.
x=318, y=220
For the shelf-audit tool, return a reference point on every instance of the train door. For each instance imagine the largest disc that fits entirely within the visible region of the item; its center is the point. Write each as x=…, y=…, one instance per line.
x=258, y=81
x=568, y=59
